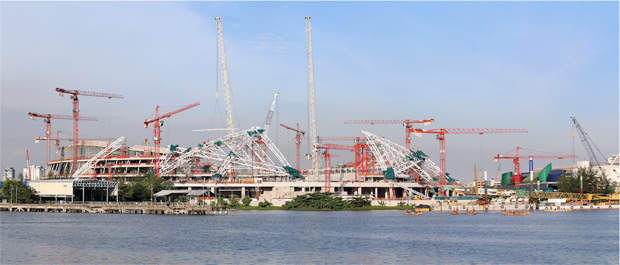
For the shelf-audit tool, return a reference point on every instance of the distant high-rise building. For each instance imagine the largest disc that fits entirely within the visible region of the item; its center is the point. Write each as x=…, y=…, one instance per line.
x=33, y=172
x=8, y=173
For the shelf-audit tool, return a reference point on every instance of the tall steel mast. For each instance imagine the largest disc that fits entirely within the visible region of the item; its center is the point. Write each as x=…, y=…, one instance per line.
x=311, y=105
x=225, y=81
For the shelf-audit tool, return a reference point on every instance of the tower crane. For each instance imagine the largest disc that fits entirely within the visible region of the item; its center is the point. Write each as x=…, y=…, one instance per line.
x=48, y=130
x=587, y=144
x=442, y=143
x=270, y=113
x=515, y=158
x=407, y=123
x=311, y=104
x=364, y=160
x=76, y=112
x=298, y=135
x=225, y=80
x=157, y=132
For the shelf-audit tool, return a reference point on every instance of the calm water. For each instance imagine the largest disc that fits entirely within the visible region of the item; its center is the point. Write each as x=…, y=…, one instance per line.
x=311, y=237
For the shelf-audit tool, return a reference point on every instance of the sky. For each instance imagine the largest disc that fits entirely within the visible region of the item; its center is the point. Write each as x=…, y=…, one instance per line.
x=521, y=65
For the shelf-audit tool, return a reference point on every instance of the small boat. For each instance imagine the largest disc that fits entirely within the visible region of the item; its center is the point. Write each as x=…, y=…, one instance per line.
x=455, y=212
x=516, y=213
x=473, y=212
x=413, y=213
x=558, y=210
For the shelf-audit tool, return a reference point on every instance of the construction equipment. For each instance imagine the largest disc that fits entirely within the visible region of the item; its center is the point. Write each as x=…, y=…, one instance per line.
x=48, y=130
x=225, y=80
x=587, y=144
x=397, y=162
x=298, y=135
x=515, y=158
x=157, y=132
x=442, y=143
x=76, y=111
x=99, y=156
x=237, y=154
x=314, y=154
x=270, y=113
x=407, y=123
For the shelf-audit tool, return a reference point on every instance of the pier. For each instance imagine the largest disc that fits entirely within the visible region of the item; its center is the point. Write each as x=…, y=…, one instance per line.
x=117, y=208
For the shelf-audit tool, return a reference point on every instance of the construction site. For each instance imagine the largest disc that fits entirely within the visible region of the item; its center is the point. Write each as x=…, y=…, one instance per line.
x=246, y=162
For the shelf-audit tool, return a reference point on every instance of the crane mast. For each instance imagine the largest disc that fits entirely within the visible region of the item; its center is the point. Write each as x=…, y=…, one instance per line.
x=48, y=128
x=311, y=103
x=299, y=133
x=76, y=114
x=225, y=80
x=270, y=113
x=157, y=131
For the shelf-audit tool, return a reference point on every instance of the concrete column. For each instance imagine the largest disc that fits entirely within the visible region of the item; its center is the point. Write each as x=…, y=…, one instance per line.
x=376, y=192
x=242, y=192
x=359, y=191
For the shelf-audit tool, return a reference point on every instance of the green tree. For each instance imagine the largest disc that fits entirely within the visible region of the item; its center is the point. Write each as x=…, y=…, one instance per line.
x=233, y=201
x=141, y=191
x=359, y=201
x=15, y=191
x=125, y=191
x=593, y=182
x=246, y=201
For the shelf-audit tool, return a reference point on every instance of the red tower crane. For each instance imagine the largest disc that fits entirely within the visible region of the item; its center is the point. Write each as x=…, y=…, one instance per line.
x=157, y=131
x=48, y=129
x=442, y=143
x=406, y=123
x=76, y=112
x=298, y=135
x=364, y=160
x=515, y=159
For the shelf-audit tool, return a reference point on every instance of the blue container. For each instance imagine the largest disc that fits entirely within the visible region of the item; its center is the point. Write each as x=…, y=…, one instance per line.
x=555, y=175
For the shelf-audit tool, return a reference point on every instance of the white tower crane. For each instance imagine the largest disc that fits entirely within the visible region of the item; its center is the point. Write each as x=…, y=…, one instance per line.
x=270, y=113
x=311, y=106
x=225, y=81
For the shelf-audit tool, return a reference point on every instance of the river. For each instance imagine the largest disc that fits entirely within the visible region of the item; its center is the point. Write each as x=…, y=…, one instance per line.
x=292, y=237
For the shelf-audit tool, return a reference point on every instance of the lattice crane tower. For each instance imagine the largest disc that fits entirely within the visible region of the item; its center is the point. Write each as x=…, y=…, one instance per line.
x=311, y=104
x=225, y=80
x=48, y=130
x=76, y=113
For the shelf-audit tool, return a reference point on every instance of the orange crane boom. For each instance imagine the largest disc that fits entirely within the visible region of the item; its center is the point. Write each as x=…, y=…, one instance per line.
x=515, y=158
x=407, y=123
x=76, y=110
x=48, y=128
x=157, y=130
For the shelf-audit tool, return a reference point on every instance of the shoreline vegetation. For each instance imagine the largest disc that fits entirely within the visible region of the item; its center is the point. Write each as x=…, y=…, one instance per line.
x=318, y=201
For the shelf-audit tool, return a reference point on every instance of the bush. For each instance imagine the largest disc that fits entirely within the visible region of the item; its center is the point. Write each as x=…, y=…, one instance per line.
x=246, y=201
x=221, y=202
x=359, y=201
x=264, y=204
x=233, y=201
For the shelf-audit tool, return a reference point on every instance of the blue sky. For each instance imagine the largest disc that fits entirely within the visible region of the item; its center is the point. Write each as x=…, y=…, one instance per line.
x=529, y=65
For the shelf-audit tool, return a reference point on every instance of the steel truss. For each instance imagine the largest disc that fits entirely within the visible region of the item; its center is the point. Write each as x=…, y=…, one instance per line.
x=245, y=153
x=403, y=161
